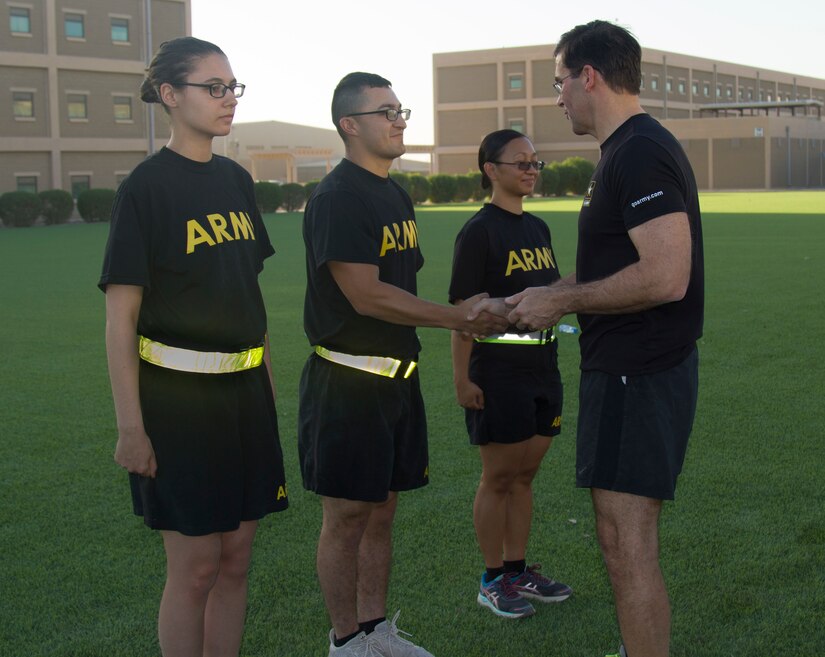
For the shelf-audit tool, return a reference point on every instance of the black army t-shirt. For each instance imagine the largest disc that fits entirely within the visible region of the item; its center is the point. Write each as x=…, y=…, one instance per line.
x=191, y=235
x=355, y=216
x=502, y=253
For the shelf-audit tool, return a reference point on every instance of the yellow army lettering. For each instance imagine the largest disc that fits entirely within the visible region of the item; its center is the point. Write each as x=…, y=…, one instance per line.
x=281, y=492
x=405, y=237
x=529, y=259
x=196, y=234
x=557, y=421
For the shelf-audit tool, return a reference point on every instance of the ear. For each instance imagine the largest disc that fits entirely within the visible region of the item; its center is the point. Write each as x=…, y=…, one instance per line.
x=349, y=125
x=490, y=170
x=589, y=75
x=168, y=95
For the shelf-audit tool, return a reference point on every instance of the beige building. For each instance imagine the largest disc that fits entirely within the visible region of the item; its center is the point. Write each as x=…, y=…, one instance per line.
x=70, y=73
x=742, y=127
x=289, y=152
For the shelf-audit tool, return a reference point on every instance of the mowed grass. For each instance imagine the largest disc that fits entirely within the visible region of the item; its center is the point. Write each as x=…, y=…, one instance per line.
x=743, y=546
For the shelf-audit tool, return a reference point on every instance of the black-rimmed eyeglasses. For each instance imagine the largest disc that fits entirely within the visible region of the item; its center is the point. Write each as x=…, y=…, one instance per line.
x=391, y=114
x=216, y=89
x=558, y=85
x=538, y=165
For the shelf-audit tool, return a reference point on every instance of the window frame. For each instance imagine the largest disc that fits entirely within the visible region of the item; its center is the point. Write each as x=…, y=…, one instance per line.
x=122, y=97
x=74, y=177
x=69, y=16
x=27, y=18
x=23, y=117
x=125, y=19
x=74, y=101
x=34, y=176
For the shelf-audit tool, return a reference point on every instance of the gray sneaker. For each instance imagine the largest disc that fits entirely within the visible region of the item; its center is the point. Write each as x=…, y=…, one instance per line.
x=386, y=642
x=357, y=646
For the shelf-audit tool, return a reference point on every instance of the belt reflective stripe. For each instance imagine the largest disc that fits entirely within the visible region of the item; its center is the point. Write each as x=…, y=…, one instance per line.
x=381, y=365
x=200, y=362
x=536, y=337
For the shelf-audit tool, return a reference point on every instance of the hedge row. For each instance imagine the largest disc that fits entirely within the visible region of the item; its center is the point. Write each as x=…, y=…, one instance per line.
x=21, y=209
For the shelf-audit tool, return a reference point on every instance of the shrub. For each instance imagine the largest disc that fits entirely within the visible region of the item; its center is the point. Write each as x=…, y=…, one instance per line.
x=419, y=188
x=478, y=192
x=268, y=196
x=57, y=206
x=292, y=196
x=309, y=187
x=403, y=180
x=95, y=204
x=20, y=209
x=442, y=188
x=549, y=182
x=581, y=171
x=466, y=186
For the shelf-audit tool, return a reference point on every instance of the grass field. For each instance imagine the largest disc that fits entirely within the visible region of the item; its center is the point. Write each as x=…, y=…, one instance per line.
x=743, y=545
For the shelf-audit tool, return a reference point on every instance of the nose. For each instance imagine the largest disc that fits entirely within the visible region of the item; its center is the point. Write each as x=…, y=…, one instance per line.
x=559, y=101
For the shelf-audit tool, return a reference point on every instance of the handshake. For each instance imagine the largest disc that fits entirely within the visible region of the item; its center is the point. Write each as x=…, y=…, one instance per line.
x=533, y=309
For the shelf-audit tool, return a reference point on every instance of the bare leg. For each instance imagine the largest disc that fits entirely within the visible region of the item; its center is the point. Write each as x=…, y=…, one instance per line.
x=628, y=530
x=374, y=561
x=344, y=524
x=226, y=606
x=519, y=509
x=192, y=564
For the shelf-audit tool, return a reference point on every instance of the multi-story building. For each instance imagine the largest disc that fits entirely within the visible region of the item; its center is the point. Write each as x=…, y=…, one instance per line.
x=70, y=74
x=742, y=127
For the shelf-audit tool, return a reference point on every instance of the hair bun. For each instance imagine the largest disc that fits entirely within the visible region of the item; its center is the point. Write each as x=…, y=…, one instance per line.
x=148, y=93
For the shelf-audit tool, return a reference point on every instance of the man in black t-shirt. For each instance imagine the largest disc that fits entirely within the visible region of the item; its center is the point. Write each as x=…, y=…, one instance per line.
x=638, y=292
x=362, y=434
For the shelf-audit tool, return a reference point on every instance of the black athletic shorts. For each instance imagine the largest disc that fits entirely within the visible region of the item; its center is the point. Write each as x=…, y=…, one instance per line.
x=217, y=448
x=633, y=431
x=360, y=435
x=519, y=402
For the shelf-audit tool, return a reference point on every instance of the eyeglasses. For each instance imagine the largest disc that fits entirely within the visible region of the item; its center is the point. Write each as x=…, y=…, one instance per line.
x=558, y=85
x=391, y=114
x=538, y=165
x=216, y=89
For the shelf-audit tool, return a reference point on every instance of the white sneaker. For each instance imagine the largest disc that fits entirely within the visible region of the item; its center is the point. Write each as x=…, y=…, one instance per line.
x=357, y=646
x=385, y=640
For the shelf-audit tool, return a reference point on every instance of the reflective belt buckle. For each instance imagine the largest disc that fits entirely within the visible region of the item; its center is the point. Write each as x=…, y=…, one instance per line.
x=198, y=362
x=532, y=338
x=380, y=365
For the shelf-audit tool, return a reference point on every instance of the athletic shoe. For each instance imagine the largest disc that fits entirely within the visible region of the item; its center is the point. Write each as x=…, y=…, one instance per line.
x=535, y=586
x=357, y=646
x=386, y=641
x=621, y=653
x=500, y=597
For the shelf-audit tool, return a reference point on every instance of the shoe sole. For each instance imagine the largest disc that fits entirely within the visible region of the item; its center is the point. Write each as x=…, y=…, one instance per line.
x=552, y=598
x=484, y=602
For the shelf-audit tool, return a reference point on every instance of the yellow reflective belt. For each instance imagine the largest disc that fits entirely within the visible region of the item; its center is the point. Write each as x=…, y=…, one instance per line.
x=381, y=365
x=536, y=337
x=200, y=362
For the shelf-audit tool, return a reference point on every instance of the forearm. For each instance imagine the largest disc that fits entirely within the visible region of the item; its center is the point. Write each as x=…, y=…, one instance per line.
x=392, y=304
x=461, y=348
x=122, y=353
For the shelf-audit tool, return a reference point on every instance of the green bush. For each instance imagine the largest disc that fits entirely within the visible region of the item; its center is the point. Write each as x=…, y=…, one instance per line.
x=57, y=206
x=292, y=196
x=442, y=188
x=95, y=205
x=403, y=180
x=549, y=182
x=467, y=186
x=268, y=196
x=309, y=187
x=20, y=209
x=419, y=188
x=581, y=171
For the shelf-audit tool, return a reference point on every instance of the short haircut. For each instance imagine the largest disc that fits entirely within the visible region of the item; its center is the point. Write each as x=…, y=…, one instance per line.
x=612, y=50
x=346, y=99
x=490, y=150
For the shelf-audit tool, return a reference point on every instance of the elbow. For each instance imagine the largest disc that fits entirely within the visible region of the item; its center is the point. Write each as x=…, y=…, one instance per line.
x=674, y=288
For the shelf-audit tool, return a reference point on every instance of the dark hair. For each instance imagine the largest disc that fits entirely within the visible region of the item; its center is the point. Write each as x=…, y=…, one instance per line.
x=490, y=150
x=612, y=50
x=173, y=61
x=347, y=95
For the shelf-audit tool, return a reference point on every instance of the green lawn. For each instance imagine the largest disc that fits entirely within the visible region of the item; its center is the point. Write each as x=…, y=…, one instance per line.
x=743, y=545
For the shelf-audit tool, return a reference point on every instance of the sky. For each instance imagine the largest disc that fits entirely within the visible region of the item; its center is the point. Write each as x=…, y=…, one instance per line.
x=292, y=53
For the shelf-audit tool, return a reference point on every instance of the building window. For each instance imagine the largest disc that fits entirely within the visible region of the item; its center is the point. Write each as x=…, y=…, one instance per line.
x=729, y=91
x=669, y=85
x=80, y=183
x=517, y=125
x=682, y=87
x=706, y=90
x=23, y=102
x=27, y=183
x=77, y=107
x=654, y=83
x=73, y=26
x=750, y=93
x=515, y=82
x=20, y=20
x=695, y=87
x=120, y=30
x=122, y=108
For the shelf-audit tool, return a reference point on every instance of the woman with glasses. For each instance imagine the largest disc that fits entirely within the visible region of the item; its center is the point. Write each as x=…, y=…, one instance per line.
x=508, y=384
x=188, y=353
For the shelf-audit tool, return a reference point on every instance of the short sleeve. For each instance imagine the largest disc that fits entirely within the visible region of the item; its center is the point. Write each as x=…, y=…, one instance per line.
x=126, y=258
x=469, y=258
x=341, y=230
